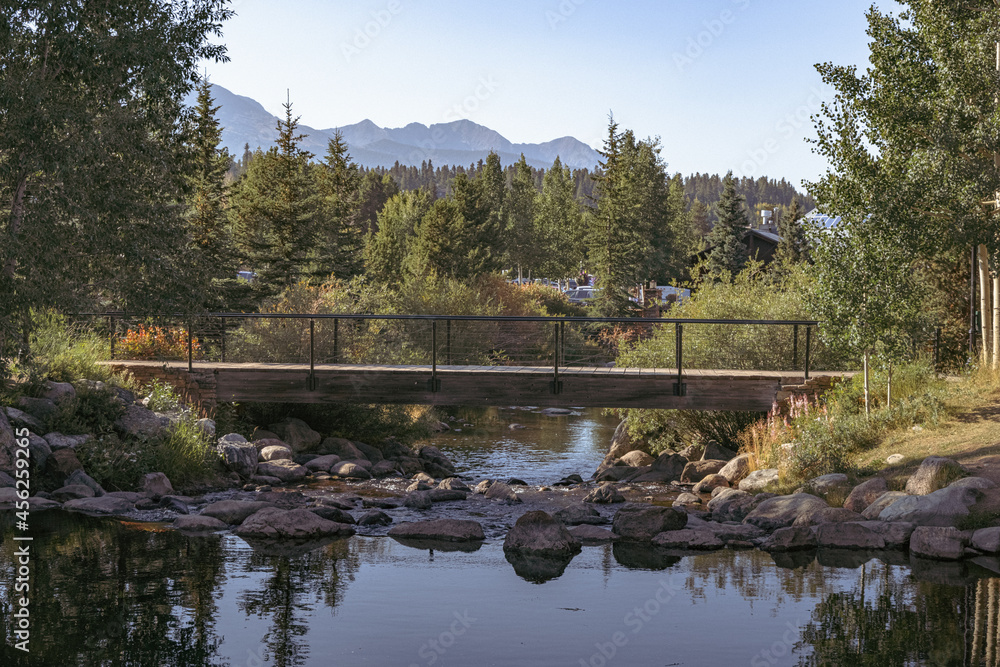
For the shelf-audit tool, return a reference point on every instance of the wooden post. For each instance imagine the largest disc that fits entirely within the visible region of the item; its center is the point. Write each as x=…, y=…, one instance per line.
x=984, y=304
x=867, y=404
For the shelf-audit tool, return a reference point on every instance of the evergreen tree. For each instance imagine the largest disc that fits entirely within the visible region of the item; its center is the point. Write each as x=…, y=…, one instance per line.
x=519, y=211
x=441, y=246
x=700, y=218
x=728, y=250
x=376, y=190
x=793, y=246
x=339, y=240
x=386, y=250
x=559, y=230
x=274, y=210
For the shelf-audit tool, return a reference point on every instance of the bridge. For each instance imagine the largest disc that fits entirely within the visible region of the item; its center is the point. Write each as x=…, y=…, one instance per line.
x=477, y=360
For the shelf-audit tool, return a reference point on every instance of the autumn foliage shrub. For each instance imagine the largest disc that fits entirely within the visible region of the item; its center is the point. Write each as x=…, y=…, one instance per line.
x=153, y=342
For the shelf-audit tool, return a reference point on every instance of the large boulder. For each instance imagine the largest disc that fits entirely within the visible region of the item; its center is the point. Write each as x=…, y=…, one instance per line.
x=790, y=539
x=435, y=462
x=272, y=522
x=604, y=495
x=702, y=539
x=239, y=457
x=384, y=468
x=297, y=435
x=737, y=468
x=889, y=497
x=80, y=477
x=833, y=488
x=61, y=464
x=715, y=451
x=644, y=522
x=848, y=536
x=934, y=473
x=393, y=449
x=635, y=459
x=782, y=511
x=944, y=507
x=19, y=419
x=617, y=473
x=446, y=530
x=621, y=444
x=575, y=515
x=322, y=463
x=104, y=505
x=234, y=512
x=285, y=470
x=156, y=484
x=592, y=534
x=667, y=468
x=197, y=523
x=695, y=471
x=350, y=470
x=342, y=447
x=939, y=542
x=274, y=453
x=41, y=409
x=60, y=441
x=731, y=505
x=501, y=492
x=710, y=483
x=370, y=453
x=540, y=534
x=759, y=480
x=454, y=484
x=140, y=423
x=60, y=393
x=895, y=534
x=72, y=492
x=986, y=540
x=864, y=494
x=825, y=515
x=39, y=450
x=334, y=514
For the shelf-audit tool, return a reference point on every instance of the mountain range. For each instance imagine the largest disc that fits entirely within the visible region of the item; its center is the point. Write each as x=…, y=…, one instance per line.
x=460, y=142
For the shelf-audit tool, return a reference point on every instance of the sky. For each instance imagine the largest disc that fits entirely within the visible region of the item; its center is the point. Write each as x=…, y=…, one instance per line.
x=724, y=84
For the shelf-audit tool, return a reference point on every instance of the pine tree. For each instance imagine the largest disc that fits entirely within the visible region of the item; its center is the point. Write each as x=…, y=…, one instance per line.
x=440, y=248
x=386, y=250
x=728, y=250
x=700, y=218
x=274, y=210
x=519, y=212
x=339, y=234
x=559, y=230
x=793, y=246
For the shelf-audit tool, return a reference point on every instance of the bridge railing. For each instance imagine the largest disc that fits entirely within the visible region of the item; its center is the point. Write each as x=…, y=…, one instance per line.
x=559, y=343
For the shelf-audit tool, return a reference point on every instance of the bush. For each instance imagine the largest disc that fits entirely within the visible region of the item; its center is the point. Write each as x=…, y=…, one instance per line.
x=671, y=430
x=364, y=423
x=63, y=352
x=153, y=342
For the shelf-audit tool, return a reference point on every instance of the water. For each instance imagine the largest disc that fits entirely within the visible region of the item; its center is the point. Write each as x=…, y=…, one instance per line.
x=106, y=592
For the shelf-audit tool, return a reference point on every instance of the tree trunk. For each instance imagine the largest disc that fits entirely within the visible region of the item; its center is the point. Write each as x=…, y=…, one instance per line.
x=867, y=405
x=996, y=320
x=888, y=390
x=984, y=304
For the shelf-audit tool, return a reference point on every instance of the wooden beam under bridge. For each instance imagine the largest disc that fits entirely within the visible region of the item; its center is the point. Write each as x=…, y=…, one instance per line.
x=209, y=383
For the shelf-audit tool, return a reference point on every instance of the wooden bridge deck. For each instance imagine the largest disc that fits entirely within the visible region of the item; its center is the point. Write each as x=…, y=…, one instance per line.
x=607, y=387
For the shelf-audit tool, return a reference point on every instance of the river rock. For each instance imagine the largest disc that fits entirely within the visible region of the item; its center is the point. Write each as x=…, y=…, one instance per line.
x=447, y=530
x=944, y=507
x=621, y=444
x=41, y=409
x=342, y=447
x=695, y=471
x=605, y=494
x=234, y=512
x=104, y=505
x=644, y=522
x=6, y=480
x=72, y=492
x=588, y=534
x=689, y=538
x=539, y=533
x=60, y=441
x=934, y=473
x=616, y=473
x=140, y=423
x=61, y=464
x=8, y=497
x=825, y=515
x=439, y=495
x=39, y=450
x=454, y=484
x=790, y=539
x=635, y=458
x=419, y=485
x=275, y=453
x=196, y=523
x=728, y=532
x=736, y=468
x=156, y=484
x=501, y=492
x=709, y=483
x=418, y=500
x=759, y=480
x=232, y=437
x=782, y=511
x=18, y=419
x=889, y=497
x=206, y=426
x=715, y=451
x=322, y=463
x=334, y=514
x=986, y=540
x=686, y=499
x=896, y=534
x=60, y=393
x=939, y=542
x=833, y=488
x=272, y=522
x=80, y=477
x=893, y=459
x=665, y=469
x=848, y=536
x=384, y=468
x=350, y=470
x=287, y=471
x=39, y=504
x=297, y=435
x=483, y=486
x=865, y=494
x=731, y=505
x=239, y=457
x=574, y=515
x=374, y=518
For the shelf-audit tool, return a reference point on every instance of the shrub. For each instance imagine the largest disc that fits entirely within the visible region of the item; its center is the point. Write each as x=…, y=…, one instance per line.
x=154, y=342
x=63, y=352
x=669, y=430
x=162, y=397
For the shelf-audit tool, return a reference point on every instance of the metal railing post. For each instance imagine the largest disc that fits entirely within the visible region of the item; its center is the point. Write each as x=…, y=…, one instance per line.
x=190, y=345
x=448, y=344
x=336, y=351
x=937, y=349
x=679, y=388
x=222, y=338
x=434, y=384
x=795, y=346
x=808, y=338
x=556, y=384
x=311, y=383
x=114, y=335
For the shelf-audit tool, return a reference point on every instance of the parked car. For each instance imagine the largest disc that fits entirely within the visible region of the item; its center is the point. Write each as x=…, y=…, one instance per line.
x=581, y=294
